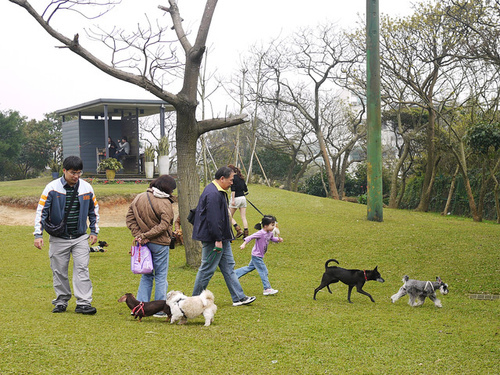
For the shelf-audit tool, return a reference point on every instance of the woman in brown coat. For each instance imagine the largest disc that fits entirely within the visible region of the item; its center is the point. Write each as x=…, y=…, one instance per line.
x=150, y=218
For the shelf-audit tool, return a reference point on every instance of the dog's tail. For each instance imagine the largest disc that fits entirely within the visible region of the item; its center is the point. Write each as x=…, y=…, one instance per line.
x=330, y=260
x=207, y=296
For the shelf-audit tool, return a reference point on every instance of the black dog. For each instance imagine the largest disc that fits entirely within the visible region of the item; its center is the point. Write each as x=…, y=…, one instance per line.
x=352, y=278
x=100, y=248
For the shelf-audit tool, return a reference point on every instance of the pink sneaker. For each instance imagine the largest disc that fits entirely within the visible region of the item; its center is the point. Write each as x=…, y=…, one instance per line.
x=270, y=291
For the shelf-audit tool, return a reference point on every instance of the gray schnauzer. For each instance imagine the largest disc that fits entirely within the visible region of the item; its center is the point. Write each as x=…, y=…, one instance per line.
x=418, y=290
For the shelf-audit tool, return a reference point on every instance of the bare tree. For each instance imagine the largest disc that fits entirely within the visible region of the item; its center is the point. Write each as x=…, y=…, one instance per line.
x=419, y=51
x=144, y=68
x=287, y=132
x=299, y=72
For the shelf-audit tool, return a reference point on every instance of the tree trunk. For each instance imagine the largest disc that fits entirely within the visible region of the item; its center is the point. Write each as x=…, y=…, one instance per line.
x=463, y=168
x=393, y=199
x=451, y=192
x=401, y=190
x=329, y=172
x=425, y=196
x=343, y=170
x=485, y=180
x=188, y=183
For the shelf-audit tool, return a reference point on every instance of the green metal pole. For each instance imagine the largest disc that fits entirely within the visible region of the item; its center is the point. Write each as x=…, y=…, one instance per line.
x=374, y=166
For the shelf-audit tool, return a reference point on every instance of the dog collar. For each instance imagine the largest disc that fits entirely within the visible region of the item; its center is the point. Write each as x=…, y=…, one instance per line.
x=366, y=278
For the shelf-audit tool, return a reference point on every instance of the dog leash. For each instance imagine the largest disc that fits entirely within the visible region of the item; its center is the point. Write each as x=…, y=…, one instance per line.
x=253, y=205
x=211, y=257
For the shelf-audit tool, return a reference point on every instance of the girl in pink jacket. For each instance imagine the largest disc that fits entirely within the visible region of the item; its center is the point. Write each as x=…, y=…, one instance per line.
x=262, y=238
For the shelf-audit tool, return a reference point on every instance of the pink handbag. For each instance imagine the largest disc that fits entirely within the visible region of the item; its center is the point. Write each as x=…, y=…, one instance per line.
x=141, y=260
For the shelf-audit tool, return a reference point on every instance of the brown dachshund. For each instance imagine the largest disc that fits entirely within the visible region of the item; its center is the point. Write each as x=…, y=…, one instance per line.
x=142, y=309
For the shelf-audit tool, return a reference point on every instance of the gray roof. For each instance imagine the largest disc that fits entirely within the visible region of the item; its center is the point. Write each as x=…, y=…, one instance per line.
x=116, y=107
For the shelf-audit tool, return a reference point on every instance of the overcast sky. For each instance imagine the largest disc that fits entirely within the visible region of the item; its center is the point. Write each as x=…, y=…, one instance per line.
x=37, y=78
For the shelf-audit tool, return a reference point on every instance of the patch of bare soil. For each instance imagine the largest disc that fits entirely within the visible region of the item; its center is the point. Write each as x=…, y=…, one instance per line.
x=110, y=215
x=112, y=211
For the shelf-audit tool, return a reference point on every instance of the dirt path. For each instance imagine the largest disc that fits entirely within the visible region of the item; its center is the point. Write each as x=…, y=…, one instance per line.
x=110, y=215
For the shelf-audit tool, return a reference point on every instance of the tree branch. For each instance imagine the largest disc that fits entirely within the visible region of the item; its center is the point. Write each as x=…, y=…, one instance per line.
x=220, y=123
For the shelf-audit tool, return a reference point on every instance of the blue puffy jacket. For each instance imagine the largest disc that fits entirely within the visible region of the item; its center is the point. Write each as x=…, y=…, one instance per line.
x=212, y=222
x=53, y=200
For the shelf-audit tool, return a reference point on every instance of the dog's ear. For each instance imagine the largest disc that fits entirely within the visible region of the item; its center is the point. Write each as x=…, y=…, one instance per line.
x=438, y=279
x=375, y=269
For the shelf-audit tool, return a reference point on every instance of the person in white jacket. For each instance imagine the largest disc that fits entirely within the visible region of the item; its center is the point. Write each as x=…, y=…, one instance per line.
x=57, y=205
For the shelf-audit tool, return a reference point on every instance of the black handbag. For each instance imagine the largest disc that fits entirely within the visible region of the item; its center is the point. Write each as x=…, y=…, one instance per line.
x=59, y=229
x=191, y=215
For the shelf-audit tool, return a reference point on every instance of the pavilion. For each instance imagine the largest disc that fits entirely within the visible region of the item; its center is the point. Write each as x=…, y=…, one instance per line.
x=86, y=127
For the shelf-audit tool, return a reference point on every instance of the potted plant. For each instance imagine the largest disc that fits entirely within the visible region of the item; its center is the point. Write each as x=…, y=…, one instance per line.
x=110, y=165
x=163, y=159
x=149, y=161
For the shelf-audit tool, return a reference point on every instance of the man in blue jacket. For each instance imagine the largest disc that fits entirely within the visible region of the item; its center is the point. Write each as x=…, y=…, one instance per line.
x=212, y=226
x=54, y=202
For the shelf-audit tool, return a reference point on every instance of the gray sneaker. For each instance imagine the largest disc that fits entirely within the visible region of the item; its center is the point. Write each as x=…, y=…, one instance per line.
x=85, y=309
x=59, y=309
x=160, y=314
x=244, y=301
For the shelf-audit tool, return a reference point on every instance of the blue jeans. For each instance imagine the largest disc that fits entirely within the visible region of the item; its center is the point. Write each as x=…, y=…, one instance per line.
x=258, y=264
x=209, y=263
x=159, y=254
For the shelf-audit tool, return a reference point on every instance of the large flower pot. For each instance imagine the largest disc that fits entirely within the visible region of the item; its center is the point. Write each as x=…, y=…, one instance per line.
x=110, y=174
x=55, y=175
x=149, y=168
x=163, y=164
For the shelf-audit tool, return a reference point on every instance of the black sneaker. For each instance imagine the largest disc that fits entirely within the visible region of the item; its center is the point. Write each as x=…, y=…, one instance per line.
x=59, y=309
x=85, y=309
x=244, y=301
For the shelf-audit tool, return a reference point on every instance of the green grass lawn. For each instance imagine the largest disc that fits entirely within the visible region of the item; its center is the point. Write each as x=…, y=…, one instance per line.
x=288, y=333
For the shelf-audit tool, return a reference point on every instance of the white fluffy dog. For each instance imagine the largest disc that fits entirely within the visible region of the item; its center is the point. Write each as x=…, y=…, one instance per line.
x=184, y=307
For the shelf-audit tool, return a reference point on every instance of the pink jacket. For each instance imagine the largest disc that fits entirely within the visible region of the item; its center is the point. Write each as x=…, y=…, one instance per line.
x=262, y=239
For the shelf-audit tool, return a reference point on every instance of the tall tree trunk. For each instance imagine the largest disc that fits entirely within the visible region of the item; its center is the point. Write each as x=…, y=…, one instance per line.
x=497, y=199
x=451, y=191
x=188, y=185
x=425, y=196
x=401, y=190
x=343, y=170
x=462, y=161
x=393, y=201
x=493, y=173
x=329, y=172
x=485, y=181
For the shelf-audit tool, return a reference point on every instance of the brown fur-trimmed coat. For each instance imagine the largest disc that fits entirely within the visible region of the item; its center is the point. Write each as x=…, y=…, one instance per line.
x=143, y=222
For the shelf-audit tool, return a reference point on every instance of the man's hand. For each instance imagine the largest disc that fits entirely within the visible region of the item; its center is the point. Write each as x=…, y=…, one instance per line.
x=38, y=243
x=92, y=239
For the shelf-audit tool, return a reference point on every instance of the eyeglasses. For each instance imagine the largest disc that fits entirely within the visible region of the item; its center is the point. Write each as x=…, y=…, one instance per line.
x=76, y=173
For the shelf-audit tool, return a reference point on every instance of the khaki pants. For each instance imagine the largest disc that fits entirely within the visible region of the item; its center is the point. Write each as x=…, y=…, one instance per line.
x=60, y=251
